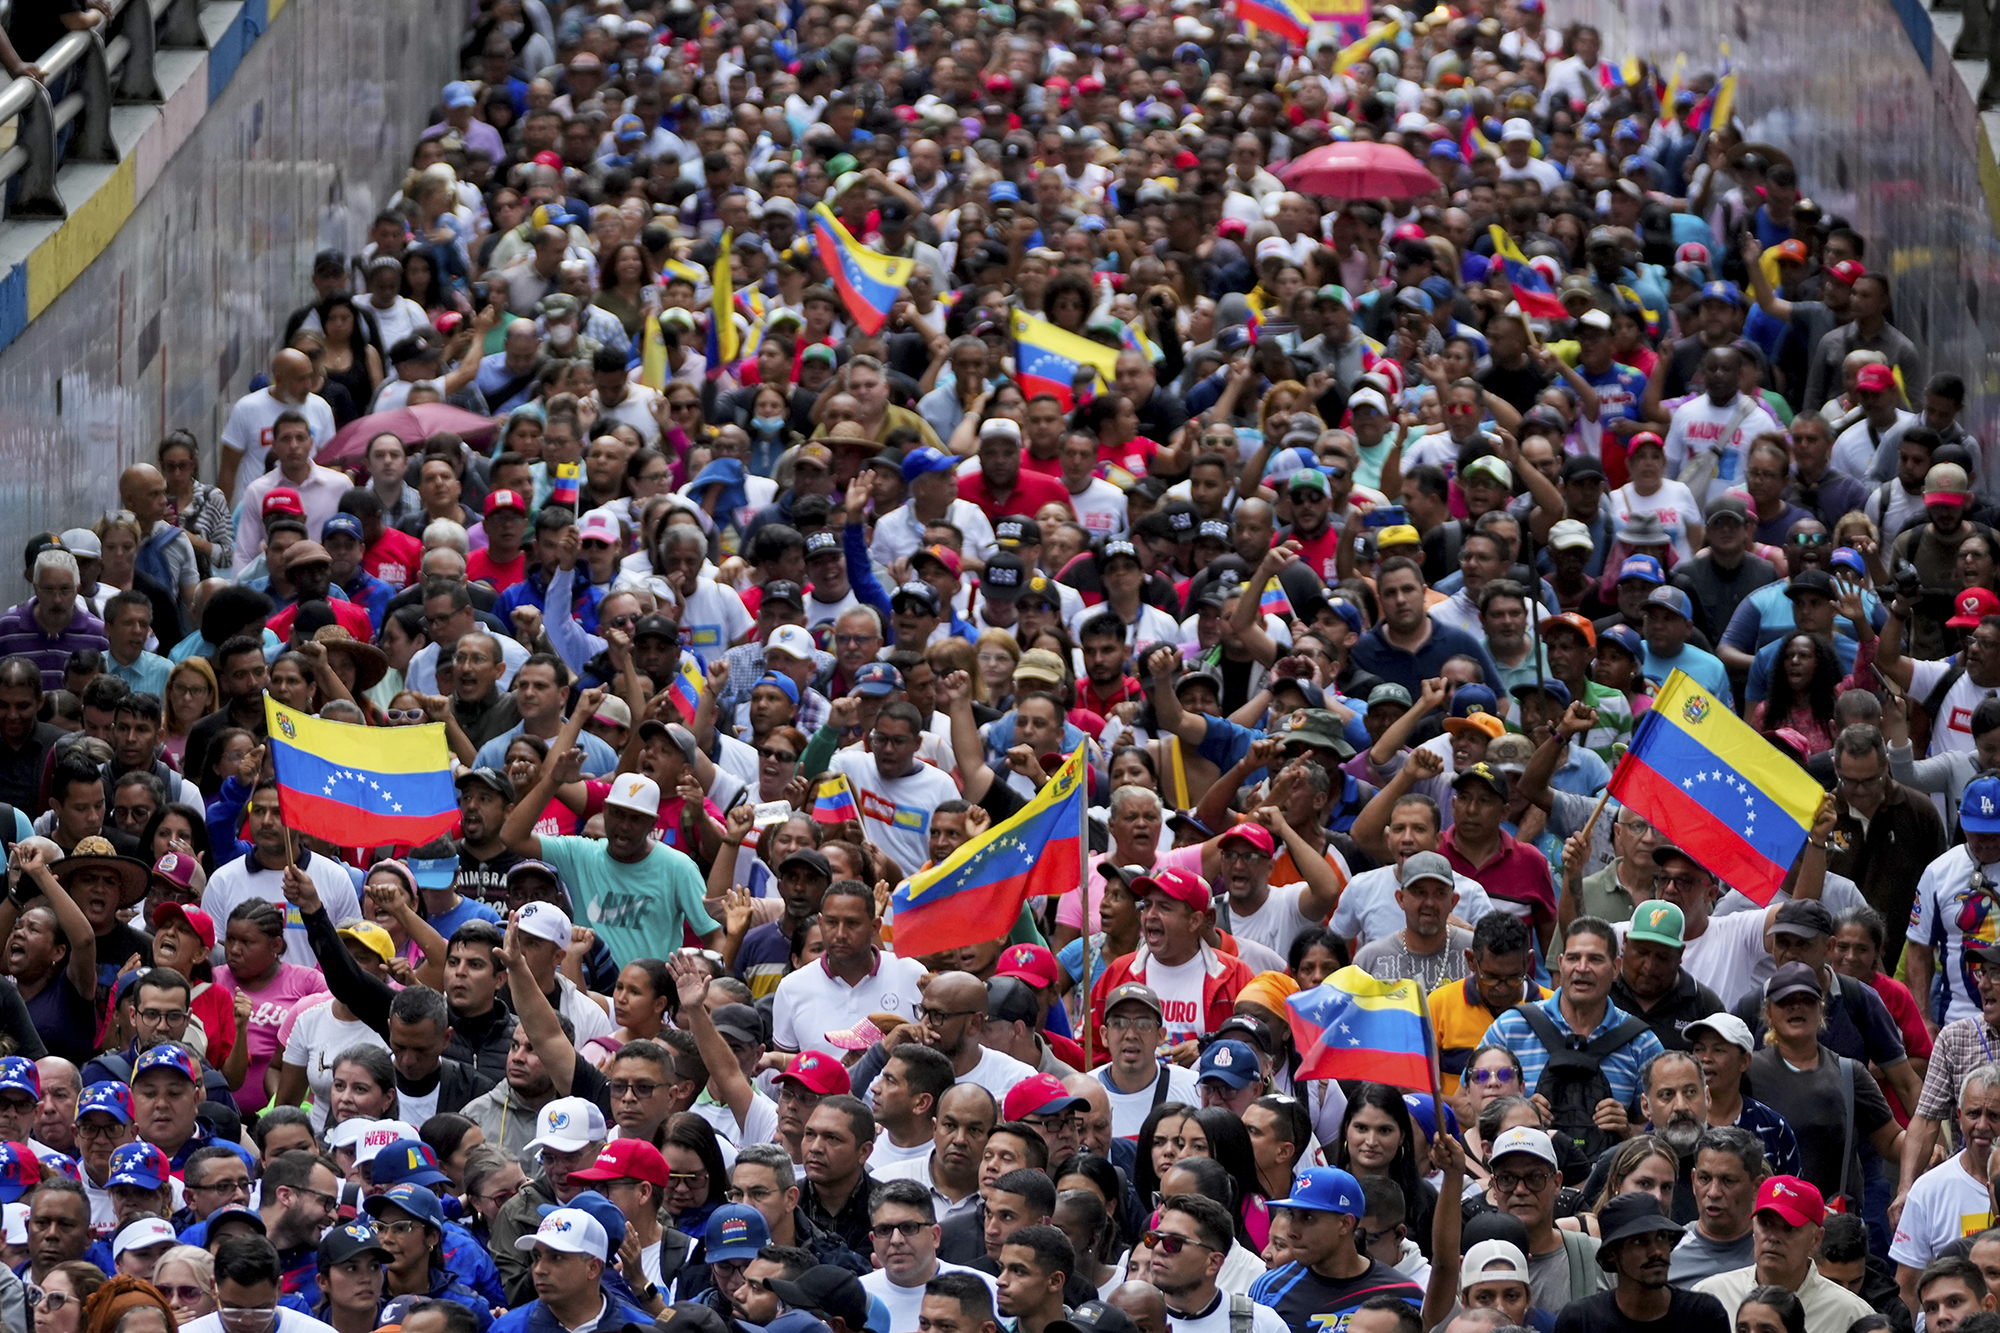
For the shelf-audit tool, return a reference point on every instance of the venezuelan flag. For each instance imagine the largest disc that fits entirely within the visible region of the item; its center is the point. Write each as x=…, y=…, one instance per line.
x=834, y=803
x=1673, y=88
x=1254, y=326
x=1357, y=51
x=1731, y=799
x=868, y=283
x=721, y=314
x=1046, y=358
x=1135, y=341
x=688, y=683
x=1283, y=17
x=985, y=881
x=567, y=485
x=1531, y=290
x=361, y=786
x=681, y=268
x=1274, y=602
x=1354, y=1026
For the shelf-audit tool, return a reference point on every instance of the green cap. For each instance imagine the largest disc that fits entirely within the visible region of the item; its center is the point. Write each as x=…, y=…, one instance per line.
x=1308, y=479
x=1658, y=922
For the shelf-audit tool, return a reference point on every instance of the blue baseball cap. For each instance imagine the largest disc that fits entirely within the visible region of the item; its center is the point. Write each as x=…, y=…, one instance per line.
x=1349, y=613
x=1469, y=699
x=1548, y=685
x=169, y=1055
x=18, y=1074
x=877, y=679
x=1420, y=1111
x=406, y=1161
x=784, y=685
x=1640, y=567
x=342, y=525
x=926, y=459
x=415, y=1200
x=434, y=872
x=1230, y=1062
x=458, y=94
x=1231, y=338
x=1448, y=148
x=1438, y=288
x=140, y=1165
x=1721, y=291
x=19, y=1171
x=1003, y=192
x=1846, y=557
x=114, y=1099
x=61, y=1164
x=736, y=1231
x=1324, y=1189
x=628, y=127
x=1672, y=599
x=1625, y=637
x=1979, y=808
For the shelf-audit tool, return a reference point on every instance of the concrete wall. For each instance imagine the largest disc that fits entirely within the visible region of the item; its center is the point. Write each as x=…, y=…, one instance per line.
x=163, y=293
x=1863, y=95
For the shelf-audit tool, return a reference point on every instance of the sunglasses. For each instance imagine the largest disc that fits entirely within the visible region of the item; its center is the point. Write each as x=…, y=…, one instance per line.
x=1167, y=1243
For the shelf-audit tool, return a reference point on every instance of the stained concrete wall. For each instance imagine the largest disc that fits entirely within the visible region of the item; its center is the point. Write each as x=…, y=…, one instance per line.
x=285, y=137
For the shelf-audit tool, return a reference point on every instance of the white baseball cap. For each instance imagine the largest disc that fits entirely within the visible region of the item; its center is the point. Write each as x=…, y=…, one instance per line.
x=347, y=1133
x=1003, y=426
x=599, y=525
x=633, y=791
x=1273, y=247
x=141, y=1233
x=1726, y=1026
x=1569, y=533
x=544, y=921
x=1522, y=1138
x=1368, y=398
x=82, y=543
x=791, y=640
x=1517, y=128
x=570, y=1230
x=568, y=1124
x=380, y=1134
x=1492, y=1261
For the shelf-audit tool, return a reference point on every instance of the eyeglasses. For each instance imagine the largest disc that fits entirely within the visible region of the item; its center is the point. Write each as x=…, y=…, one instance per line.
x=856, y=640
x=1676, y=881
x=395, y=715
x=881, y=738
x=1861, y=784
x=1806, y=539
x=622, y=1088
x=501, y=1196
x=777, y=755
x=327, y=1201
x=248, y=1311
x=1370, y=1237
x=687, y=1178
x=50, y=1301
x=755, y=1194
x=1131, y=1022
x=445, y=619
x=1169, y=1244
x=178, y=1295
x=621, y=622
x=1535, y=1181
x=907, y=1230
x=407, y=1227
x=223, y=1187
x=163, y=1015
x=1484, y=1076
x=926, y=1014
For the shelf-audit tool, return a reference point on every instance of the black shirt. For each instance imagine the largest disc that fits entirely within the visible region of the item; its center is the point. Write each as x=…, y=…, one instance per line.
x=1687, y=1312
x=1671, y=1014
x=851, y=1222
x=65, y=1019
x=21, y=768
x=485, y=881
x=37, y=25
x=1716, y=592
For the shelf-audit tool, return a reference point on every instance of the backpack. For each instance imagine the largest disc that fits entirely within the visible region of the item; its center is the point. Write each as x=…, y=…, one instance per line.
x=1573, y=1080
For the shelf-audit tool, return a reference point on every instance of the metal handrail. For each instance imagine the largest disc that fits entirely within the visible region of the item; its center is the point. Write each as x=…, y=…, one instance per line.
x=67, y=116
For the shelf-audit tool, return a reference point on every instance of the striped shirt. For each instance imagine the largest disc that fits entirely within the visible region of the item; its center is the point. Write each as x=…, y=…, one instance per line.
x=19, y=633
x=1621, y=1067
x=1961, y=1047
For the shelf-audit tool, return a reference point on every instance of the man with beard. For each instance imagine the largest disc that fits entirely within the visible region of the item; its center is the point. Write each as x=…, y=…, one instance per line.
x=1729, y=1167
x=1189, y=1244
x=299, y=1190
x=1951, y=1200
x=1651, y=983
x=1638, y=1245
x=1675, y=1103
x=1788, y=1221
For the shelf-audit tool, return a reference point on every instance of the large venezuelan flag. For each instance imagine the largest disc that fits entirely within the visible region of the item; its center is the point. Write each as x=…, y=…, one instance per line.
x=868, y=283
x=1047, y=358
x=1531, y=290
x=1354, y=1026
x=361, y=786
x=1285, y=17
x=978, y=891
x=1727, y=795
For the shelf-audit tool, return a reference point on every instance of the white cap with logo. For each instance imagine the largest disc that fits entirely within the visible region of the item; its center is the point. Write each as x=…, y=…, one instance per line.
x=544, y=921
x=633, y=791
x=1523, y=1139
x=568, y=1124
x=570, y=1230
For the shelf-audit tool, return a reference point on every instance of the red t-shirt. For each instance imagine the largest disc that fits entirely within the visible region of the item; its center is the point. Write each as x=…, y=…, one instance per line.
x=1135, y=456
x=1031, y=491
x=1319, y=554
x=394, y=558
x=1518, y=876
x=480, y=566
x=669, y=822
x=1044, y=467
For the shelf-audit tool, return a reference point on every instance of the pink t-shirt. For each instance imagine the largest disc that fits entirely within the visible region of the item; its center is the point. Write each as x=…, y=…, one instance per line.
x=269, y=1007
x=1071, y=908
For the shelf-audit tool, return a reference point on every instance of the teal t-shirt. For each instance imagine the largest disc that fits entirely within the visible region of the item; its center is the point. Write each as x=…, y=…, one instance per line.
x=637, y=910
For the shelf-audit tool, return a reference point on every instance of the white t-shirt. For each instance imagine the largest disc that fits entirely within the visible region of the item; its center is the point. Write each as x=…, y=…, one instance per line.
x=1130, y=1109
x=1263, y=1319
x=760, y=1122
x=896, y=812
x=288, y=1321
x=419, y=1109
x=1954, y=729
x=1946, y=913
x=1727, y=955
x=713, y=619
x=1698, y=424
x=244, y=880
x=635, y=409
x=812, y=1002
x=402, y=318
x=249, y=429
x=903, y=1303
x=589, y=1016
x=1278, y=922
x=1180, y=992
x=887, y=1154
x=1368, y=908
x=997, y=1072
x=1100, y=507
x=316, y=1039
x=1944, y=1205
x=1673, y=504
x=1151, y=626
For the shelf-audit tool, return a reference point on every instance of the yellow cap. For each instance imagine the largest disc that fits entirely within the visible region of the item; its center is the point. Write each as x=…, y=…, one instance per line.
x=1397, y=534
x=370, y=936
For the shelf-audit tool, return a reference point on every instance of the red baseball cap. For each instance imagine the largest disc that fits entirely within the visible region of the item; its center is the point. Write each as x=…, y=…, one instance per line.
x=1571, y=620
x=944, y=555
x=1875, y=379
x=1176, y=884
x=818, y=1072
x=1795, y=251
x=284, y=500
x=1972, y=605
x=1032, y=963
x=1039, y=1094
x=549, y=158
x=1255, y=834
x=193, y=918
x=1797, y=1201
x=627, y=1159
x=1847, y=271
x=506, y=500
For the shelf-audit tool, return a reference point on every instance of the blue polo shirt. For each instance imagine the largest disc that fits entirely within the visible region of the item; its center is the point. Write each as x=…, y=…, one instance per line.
x=1373, y=653
x=1621, y=1067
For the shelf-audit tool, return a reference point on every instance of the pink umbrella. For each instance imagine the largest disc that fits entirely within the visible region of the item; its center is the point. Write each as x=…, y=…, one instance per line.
x=411, y=425
x=1360, y=170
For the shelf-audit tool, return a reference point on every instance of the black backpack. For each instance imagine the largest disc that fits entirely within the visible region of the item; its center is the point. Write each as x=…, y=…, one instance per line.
x=1573, y=1080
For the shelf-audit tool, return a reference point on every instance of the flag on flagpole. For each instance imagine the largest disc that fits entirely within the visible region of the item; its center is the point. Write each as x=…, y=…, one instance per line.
x=1353, y=1026
x=834, y=803
x=1357, y=51
x=1047, y=358
x=1274, y=602
x=359, y=786
x=1531, y=289
x=722, y=314
x=567, y=485
x=868, y=283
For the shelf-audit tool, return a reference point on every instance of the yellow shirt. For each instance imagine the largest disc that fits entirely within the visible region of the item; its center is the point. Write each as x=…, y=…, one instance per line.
x=1460, y=1019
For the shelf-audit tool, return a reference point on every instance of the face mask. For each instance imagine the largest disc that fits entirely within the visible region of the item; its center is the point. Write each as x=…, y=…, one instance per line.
x=768, y=425
x=562, y=335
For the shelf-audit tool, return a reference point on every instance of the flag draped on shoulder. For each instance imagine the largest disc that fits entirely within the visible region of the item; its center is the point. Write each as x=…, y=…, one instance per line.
x=977, y=892
x=361, y=786
x=1730, y=798
x=868, y=283
x=1354, y=1026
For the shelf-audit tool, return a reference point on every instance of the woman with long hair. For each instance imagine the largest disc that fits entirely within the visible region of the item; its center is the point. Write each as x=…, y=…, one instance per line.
x=1800, y=693
x=997, y=655
x=1228, y=1145
x=1067, y=302
x=1315, y=955
x=176, y=827
x=202, y=510
x=697, y=1181
x=254, y=945
x=1493, y=1072
x=363, y=1086
x=423, y=282
x=1860, y=938
x=185, y=1275
x=1774, y=1309
x=642, y=1001
x=58, y=1300
x=778, y=762
x=452, y=1137
x=1161, y=1143
x=1651, y=492
x=1377, y=1139
x=625, y=287
x=351, y=359
x=1646, y=1164
x=192, y=694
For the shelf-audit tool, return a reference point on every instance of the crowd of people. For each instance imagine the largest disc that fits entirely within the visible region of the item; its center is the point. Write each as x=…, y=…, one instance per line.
x=743, y=590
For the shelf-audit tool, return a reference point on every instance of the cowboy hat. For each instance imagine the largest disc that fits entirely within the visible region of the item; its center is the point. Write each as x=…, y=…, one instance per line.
x=94, y=851
x=370, y=662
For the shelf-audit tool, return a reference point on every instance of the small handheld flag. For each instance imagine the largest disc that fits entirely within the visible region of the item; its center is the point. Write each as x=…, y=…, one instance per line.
x=361, y=786
x=835, y=802
x=1354, y=1026
x=567, y=485
x=868, y=283
x=1357, y=51
x=685, y=691
x=1048, y=358
x=1274, y=602
x=1531, y=289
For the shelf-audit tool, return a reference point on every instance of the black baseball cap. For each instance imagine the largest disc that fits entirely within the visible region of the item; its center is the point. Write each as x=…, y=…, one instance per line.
x=655, y=627
x=825, y=1289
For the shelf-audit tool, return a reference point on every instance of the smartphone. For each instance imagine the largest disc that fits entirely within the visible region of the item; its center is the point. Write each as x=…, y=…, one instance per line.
x=1889, y=687
x=1384, y=516
x=769, y=813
